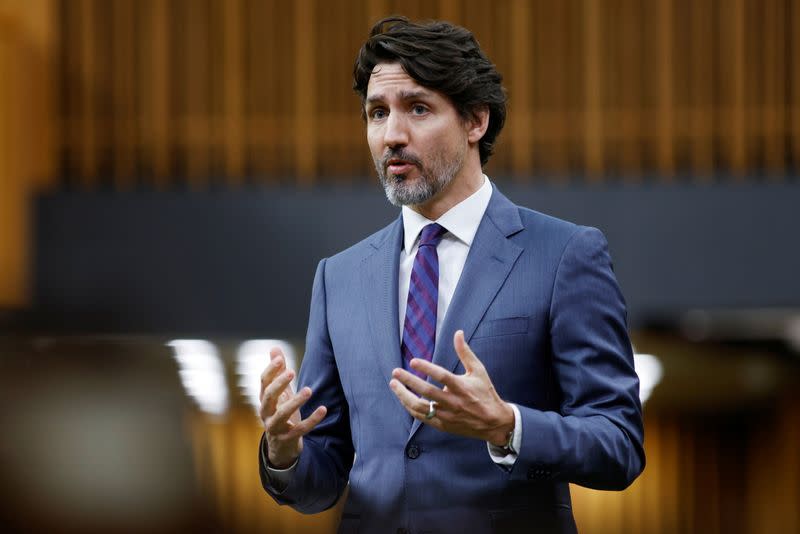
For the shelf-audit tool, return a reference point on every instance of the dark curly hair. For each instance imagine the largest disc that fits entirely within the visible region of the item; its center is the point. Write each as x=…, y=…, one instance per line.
x=440, y=56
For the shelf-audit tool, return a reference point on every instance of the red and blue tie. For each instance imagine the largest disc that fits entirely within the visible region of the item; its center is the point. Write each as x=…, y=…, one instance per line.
x=419, y=330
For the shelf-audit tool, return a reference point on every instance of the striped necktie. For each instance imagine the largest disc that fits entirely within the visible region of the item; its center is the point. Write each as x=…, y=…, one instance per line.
x=419, y=330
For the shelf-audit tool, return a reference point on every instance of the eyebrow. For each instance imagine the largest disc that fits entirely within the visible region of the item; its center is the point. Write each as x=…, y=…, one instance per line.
x=404, y=95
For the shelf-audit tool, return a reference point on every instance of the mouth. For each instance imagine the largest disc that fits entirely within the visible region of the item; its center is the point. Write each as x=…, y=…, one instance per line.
x=399, y=166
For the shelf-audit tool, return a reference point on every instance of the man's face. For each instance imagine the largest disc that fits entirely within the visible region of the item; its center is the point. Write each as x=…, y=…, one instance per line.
x=417, y=138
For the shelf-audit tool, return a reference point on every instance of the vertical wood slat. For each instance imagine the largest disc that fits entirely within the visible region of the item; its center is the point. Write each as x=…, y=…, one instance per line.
x=688, y=478
x=754, y=74
x=197, y=93
x=549, y=147
x=160, y=143
x=794, y=97
x=41, y=156
x=375, y=10
x=305, y=141
x=521, y=141
x=652, y=490
x=711, y=468
x=233, y=74
x=28, y=146
x=256, y=65
x=450, y=10
x=773, y=486
x=702, y=81
x=773, y=60
x=738, y=148
x=124, y=110
x=71, y=99
x=88, y=118
x=666, y=105
x=594, y=165
x=791, y=462
x=12, y=192
x=630, y=122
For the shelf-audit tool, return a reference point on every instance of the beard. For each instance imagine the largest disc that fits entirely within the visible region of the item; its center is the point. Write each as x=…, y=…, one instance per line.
x=432, y=177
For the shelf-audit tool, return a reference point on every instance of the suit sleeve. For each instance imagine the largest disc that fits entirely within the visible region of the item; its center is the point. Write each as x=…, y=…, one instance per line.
x=323, y=468
x=596, y=437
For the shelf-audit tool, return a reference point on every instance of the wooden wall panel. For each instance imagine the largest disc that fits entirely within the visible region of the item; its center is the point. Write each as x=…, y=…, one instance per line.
x=13, y=231
x=207, y=93
x=176, y=93
x=28, y=132
x=734, y=474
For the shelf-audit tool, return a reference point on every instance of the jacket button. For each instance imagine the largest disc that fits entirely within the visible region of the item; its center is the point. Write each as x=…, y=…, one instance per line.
x=413, y=452
x=539, y=472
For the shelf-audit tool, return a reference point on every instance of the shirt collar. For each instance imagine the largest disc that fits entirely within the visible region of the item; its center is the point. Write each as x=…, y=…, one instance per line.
x=462, y=220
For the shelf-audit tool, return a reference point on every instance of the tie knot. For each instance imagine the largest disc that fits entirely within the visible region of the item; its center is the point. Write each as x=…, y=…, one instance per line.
x=431, y=235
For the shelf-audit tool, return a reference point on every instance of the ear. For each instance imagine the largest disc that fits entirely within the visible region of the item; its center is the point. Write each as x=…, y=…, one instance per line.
x=478, y=124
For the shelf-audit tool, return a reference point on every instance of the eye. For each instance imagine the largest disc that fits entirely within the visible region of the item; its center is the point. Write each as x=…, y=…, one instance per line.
x=419, y=109
x=377, y=114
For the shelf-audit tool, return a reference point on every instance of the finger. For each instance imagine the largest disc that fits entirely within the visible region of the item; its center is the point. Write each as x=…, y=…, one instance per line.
x=271, y=395
x=468, y=358
x=413, y=404
x=308, y=424
x=419, y=386
x=286, y=409
x=438, y=373
x=276, y=364
x=418, y=408
x=275, y=388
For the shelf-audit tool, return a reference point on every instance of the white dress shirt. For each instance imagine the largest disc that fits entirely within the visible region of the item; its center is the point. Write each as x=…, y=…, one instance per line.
x=461, y=222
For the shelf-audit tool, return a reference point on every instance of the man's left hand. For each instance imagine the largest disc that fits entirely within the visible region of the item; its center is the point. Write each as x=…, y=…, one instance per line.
x=468, y=404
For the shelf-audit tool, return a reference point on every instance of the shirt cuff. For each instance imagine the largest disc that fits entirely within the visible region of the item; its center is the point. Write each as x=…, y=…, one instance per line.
x=502, y=456
x=279, y=479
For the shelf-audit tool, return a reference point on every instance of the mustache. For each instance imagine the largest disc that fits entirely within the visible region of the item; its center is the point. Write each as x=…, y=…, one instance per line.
x=400, y=154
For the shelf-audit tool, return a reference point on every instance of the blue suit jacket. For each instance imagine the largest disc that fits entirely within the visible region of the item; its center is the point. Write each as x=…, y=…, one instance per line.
x=540, y=306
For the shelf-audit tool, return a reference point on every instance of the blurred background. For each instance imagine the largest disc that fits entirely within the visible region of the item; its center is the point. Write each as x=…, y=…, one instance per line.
x=171, y=171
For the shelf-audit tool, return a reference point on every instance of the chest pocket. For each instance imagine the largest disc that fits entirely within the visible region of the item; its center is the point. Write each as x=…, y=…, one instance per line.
x=502, y=327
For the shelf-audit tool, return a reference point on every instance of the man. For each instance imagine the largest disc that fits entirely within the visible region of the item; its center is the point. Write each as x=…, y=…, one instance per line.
x=468, y=361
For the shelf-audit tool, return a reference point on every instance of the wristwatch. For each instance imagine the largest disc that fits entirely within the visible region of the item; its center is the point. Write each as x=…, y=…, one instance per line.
x=508, y=448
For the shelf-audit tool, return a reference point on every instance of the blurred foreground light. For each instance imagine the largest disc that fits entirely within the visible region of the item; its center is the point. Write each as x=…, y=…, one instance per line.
x=251, y=359
x=202, y=374
x=650, y=371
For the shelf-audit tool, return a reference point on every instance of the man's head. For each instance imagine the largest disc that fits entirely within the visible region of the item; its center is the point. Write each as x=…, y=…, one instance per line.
x=442, y=64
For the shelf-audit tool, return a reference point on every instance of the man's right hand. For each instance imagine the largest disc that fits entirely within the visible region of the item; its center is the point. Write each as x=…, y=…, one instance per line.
x=280, y=412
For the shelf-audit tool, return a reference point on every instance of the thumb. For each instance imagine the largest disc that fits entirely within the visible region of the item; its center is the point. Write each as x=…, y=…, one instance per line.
x=465, y=354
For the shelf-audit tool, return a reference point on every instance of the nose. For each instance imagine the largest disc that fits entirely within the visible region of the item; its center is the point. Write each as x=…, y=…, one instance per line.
x=396, y=133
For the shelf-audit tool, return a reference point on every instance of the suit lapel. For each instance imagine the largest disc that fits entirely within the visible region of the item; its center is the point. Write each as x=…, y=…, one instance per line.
x=379, y=273
x=489, y=262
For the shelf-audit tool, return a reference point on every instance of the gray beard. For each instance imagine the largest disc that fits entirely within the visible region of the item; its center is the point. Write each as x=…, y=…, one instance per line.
x=401, y=193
